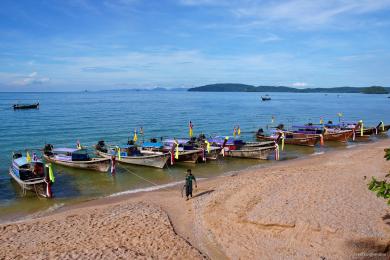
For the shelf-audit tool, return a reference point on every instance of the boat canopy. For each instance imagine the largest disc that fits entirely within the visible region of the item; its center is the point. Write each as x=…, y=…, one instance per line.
x=23, y=161
x=152, y=145
x=65, y=150
x=308, y=126
x=231, y=140
x=180, y=141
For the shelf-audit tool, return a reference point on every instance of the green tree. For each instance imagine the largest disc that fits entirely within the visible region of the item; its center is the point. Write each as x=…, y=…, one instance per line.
x=381, y=188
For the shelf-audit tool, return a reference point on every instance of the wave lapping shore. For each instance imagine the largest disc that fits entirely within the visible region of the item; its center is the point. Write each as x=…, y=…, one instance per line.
x=311, y=208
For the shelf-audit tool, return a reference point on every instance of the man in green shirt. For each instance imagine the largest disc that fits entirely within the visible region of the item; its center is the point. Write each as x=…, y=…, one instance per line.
x=188, y=183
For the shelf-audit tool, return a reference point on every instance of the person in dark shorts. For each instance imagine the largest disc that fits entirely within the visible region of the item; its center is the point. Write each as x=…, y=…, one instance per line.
x=188, y=183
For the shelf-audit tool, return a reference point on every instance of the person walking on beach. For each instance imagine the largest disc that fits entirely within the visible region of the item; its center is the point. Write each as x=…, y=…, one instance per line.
x=188, y=183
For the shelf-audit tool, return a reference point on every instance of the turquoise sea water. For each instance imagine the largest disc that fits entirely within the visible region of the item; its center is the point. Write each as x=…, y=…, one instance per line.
x=64, y=118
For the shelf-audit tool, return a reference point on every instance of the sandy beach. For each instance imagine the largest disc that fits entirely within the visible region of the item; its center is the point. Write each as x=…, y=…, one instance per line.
x=317, y=207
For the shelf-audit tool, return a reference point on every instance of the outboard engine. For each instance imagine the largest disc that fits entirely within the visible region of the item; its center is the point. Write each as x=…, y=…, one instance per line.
x=48, y=149
x=260, y=131
x=280, y=127
x=153, y=140
x=202, y=137
x=101, y=146
x=330, y=122
x=17, y=155
x=130, y=142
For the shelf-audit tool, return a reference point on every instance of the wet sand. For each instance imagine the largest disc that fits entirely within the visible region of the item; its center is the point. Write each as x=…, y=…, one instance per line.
x=311, y=208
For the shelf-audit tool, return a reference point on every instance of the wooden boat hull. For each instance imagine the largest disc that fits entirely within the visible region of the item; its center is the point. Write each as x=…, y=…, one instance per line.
x=249, y=145
x=152, y=160
x=190, y=156
x=368, y=131
x=38, y=185
x=362, y=138
x=340, y=136
x=384, y=130
x=302, y=141
x=261, y=153
x=214, y=153
x=95, y=164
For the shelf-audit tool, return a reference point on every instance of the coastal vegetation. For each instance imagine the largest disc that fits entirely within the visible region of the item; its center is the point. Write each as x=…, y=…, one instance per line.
x=236, y=87
x=375, y=90
x=381, y=188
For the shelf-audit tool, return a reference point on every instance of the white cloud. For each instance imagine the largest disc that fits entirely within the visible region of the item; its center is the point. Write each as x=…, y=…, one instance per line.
x=306, y=13
x=32, y=74
x=270, y=38
x=203, y=2
x=299, y=84
x=31, y=79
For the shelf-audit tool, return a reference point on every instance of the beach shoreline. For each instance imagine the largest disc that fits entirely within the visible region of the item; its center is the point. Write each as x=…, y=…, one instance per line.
x=237, y=203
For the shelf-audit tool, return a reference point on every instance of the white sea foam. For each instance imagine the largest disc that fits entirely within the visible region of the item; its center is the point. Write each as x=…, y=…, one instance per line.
x=317, y=153
x=55, y=207
x=152, y=188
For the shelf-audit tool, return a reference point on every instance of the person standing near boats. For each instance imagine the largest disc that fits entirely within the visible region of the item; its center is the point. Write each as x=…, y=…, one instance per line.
x=188, y=183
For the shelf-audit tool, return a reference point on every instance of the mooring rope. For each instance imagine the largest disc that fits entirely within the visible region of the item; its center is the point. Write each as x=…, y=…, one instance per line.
x=142, y=178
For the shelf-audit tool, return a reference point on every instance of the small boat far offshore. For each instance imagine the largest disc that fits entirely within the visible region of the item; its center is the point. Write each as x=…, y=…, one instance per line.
x=26, y=106
x=266, y=98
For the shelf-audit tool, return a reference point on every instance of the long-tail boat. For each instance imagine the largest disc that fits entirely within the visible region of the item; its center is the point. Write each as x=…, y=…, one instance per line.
x=266, y=98
x=75, y=158
x=184, y=151
x=289, y=137
x=328, y=134
x=132, y=154
x=31, y=174
x=211, y=152
x=238, y=148
x=26, y=106
x=359, y=132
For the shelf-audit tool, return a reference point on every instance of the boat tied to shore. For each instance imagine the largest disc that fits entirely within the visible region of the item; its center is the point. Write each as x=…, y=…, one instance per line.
x=182, y=150
x=32, y=174
x=133, y=154
x=286, y=137
x=238, y=148
x=328, y=134
x=75, y=158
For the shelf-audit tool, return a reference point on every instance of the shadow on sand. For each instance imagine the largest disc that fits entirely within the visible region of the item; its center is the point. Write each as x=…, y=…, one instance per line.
x=203, y=193
x=370, y=248
x=386, y=219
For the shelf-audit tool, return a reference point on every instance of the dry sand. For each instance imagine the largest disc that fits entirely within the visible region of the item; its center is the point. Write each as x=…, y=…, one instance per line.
x=313, y=208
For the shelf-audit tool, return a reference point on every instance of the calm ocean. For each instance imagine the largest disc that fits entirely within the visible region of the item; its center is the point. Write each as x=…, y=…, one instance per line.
x=64, y=118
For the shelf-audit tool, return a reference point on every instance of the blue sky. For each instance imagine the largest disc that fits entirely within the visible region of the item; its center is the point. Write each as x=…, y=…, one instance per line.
x=55, y=45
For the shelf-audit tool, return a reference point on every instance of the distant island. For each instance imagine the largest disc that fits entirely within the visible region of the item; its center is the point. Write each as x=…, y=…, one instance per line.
x=145, y=89
x=234, y=87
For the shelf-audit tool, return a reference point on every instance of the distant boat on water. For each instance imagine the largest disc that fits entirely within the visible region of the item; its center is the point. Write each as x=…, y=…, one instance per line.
x=266, y=98
x=26, y=106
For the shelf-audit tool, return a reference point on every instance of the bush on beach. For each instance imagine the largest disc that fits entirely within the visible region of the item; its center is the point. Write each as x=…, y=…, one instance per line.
x=381, y=188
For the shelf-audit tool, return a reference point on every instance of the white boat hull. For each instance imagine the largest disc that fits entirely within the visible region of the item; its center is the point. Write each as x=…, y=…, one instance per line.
x=152, y=160
x=95, y=164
